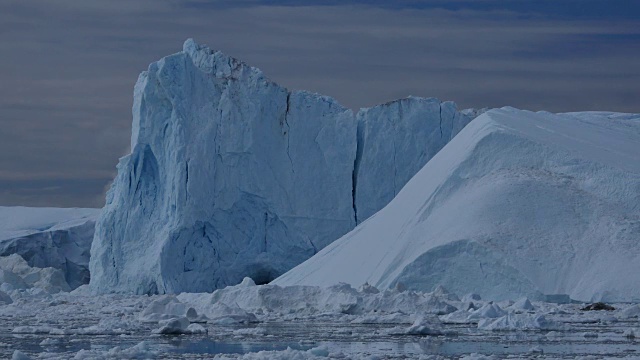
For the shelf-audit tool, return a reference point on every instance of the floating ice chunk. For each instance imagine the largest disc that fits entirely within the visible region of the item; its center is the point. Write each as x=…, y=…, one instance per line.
x=168, y=307
x=458, y=317
x=51, y=280
x=36, y=330
x=5, y=299
x=30, y=294
x=257, y=331
x=173, y=326
x=631, y=333
x=471, y=297
x=50, y=342
x=536, y=350
x=523, y=304
x=179, y=325
x=11, y=281
x=608, y=319
x=553, y=334
x=425, y=326
x=19, y=355
x=319, y=351
x=247, y=281
x=110, y=326
x=469, y=306
x=240, y=304
x=476, y=356
x=375, y=318
x=632, y=311
x=222, y=314
x=518, y=322
x=406, y=302
x=288, y=354
x=490, y=310
x=140, y=351
x=196, y=329
x=366, y=288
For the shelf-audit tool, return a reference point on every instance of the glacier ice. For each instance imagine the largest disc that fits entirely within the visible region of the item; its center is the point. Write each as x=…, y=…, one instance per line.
x=50, y=237
x=395, y=140
x=17, y=276
x=231, y=175
x=517, y=204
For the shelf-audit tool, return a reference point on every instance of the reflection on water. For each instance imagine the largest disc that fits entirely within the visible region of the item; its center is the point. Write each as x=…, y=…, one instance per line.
x=345, y=338
x=209, y=346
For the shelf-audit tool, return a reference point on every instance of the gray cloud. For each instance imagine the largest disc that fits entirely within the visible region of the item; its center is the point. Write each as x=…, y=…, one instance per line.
x=68, y=70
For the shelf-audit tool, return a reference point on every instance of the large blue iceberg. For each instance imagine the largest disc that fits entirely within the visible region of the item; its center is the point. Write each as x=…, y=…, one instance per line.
x=231, y=175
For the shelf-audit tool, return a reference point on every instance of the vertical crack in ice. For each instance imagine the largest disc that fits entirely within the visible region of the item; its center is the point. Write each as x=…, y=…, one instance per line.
x=218, y=147
x=440, y=107
x=394, y=135
x=186, y=183
x=482, y=270
x=113, y=261
x=266, y=219
x=356, y=168
x=453, y=119
x=288, y=130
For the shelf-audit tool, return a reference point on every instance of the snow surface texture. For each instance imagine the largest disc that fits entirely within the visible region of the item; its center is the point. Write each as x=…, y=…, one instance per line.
x=50, y=237
x=232, y=175
x=517, y=204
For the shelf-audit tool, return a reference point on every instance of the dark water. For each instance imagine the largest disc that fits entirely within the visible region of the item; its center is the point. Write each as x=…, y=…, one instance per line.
x=348, y=339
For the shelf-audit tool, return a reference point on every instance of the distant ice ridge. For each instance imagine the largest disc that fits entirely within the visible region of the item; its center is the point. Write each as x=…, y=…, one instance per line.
x=50, y=237
x=517, y=204
x=231, y=175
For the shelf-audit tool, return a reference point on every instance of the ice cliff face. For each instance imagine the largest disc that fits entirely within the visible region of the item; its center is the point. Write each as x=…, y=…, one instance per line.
x=231, y=175
x=50, y=237
x=518, y=203
x=395, y=140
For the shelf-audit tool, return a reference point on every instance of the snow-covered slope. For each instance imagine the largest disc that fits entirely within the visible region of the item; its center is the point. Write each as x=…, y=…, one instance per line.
x=519, y=203
x=50, y=237
x=232, y=175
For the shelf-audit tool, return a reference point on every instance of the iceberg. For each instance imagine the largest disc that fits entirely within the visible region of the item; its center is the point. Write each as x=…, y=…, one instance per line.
x=50, y=237
x=517, y=204
x=231, y=175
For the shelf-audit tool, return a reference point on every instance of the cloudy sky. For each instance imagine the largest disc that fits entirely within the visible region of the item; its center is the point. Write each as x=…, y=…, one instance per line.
x=67, y=67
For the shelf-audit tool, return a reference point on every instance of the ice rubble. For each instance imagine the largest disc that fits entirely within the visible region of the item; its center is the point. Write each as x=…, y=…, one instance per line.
x=232, y=175
x=518, y=322
x=17, y=277
x=313, y=300
x=127, y=319
x=50, y=237
x=517, y=204
x=179, y=325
